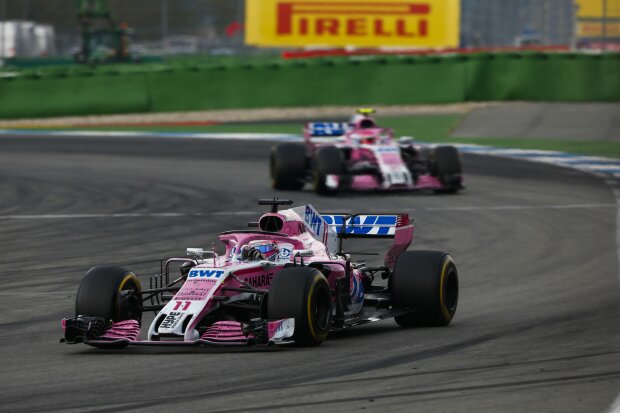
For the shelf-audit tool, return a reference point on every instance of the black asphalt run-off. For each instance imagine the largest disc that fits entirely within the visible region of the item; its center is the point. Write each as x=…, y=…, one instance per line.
x=536, y=328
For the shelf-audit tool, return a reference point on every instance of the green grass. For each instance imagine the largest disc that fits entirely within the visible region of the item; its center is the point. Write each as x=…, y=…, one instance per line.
x=427, y=128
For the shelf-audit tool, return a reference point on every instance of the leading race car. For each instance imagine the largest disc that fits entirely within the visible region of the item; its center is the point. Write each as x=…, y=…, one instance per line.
x=287, y=281
x=362, y=156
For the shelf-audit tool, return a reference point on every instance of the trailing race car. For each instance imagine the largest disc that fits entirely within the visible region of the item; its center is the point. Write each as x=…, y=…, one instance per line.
x=288, y=281
x=362, y=156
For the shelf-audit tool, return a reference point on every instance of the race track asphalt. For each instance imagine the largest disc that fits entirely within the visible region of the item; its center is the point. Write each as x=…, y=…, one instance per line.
x=536, y=328
x=543, y=120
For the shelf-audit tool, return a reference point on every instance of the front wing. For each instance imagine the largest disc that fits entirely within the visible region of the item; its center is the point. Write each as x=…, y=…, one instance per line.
x=371, y=182
x=96, y=332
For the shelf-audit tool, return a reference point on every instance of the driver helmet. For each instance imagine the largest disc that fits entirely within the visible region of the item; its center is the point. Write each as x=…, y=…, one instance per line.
x=362, y=122
x=362, y=119
x=269, y=249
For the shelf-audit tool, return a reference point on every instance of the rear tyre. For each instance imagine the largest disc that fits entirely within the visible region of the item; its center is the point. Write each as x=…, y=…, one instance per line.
x=288, y=166
x=327, y=161
x=112, y=293
x=302, y=293
x=425, y=282
x=448, y=168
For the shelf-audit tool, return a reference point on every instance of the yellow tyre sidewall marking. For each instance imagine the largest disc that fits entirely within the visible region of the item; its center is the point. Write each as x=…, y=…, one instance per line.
x=128, y=276
x=442, y=282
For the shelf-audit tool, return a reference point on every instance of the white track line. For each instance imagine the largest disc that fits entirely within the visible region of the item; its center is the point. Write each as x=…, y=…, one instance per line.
x=617, y=193
x=615, y=406
x=243, y=213
x=127, y=215
x=581, y=162
x=281, y=137
x=517, y=207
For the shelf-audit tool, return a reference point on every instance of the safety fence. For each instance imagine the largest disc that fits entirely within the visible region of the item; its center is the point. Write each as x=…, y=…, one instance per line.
x=385, y=80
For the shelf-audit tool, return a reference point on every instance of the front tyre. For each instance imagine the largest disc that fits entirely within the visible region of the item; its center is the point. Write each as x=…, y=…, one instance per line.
x=448, y=168
x=112, y=293
x=302, y=293
x=287, y=166
x=425, y=282
x=327, y=161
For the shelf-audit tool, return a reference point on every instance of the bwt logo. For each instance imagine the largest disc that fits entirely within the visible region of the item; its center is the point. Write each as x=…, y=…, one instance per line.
x=314, y=220
x=389, y=19
x=363, y=225
x=206, y=273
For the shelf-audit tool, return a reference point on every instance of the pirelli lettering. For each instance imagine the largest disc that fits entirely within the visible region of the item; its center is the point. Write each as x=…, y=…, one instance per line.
x=362, y=19
x=352, y=23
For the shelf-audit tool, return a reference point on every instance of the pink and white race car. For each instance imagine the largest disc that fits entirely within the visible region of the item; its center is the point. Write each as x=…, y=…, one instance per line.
x=362, y=156
x=287, y=281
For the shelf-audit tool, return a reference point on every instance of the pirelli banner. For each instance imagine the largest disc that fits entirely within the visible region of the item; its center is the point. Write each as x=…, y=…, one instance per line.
x=360, y=23
x=596, y=18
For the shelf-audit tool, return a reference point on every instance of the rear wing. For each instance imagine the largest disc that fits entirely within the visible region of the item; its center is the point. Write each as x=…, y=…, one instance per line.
x=373, y=226
x=332, y=229
x=325, y=129
x=366, y=225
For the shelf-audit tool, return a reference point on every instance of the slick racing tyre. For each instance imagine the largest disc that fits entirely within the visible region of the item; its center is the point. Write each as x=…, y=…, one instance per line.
x=327, y=161
x=288, y=166
x=302, y=293
x=427, y=283
x=448, y=168
x=109, y=292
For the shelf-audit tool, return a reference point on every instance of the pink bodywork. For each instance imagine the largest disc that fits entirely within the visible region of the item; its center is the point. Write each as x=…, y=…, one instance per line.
x=128, y=329
x=225, y=331
x=366, y=145
x=297, y=235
